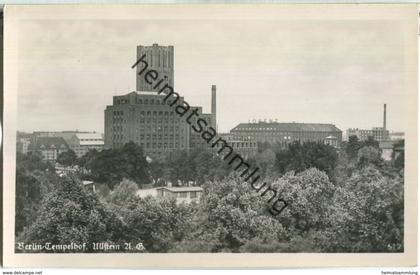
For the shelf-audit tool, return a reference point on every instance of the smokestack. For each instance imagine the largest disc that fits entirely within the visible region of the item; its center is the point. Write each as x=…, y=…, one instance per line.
x=384, y=118
x=213, y=103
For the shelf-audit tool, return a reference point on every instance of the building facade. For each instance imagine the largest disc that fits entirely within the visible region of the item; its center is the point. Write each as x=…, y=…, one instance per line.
x=22, y=145
x=49, y=147
x=285, y=133
x=145, y=119
x=244, y=146
x=378, y=133
x=23, y=140
x=83, y=143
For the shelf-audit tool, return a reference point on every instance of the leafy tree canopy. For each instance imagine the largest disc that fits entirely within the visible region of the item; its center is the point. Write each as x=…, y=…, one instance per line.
x=301, y=156
x=71, y=214
x=67, y=158
x=229, y=214
x=111, y=166
x=366, y=215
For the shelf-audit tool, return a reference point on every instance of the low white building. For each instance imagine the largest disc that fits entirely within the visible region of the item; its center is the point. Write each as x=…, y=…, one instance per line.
x=395, y=136
x=181, y=194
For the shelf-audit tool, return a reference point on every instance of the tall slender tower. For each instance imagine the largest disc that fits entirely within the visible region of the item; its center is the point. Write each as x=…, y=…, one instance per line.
x=384, y=131
x=213, y=104
x=159, y=58
x=384, y=126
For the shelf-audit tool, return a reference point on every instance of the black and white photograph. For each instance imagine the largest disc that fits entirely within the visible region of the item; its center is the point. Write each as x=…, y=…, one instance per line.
x=228, y=130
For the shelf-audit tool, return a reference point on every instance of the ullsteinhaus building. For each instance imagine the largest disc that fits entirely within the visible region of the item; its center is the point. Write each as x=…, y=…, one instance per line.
x=144, y=117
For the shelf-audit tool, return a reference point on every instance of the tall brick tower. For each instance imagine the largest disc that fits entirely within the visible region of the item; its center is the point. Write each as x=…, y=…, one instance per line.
x=159, y=58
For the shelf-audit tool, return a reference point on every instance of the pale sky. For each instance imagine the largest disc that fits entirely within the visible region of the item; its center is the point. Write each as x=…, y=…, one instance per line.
x=339, y=72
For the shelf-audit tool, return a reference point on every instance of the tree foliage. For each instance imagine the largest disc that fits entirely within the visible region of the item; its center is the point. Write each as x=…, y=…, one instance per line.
x=67, y=158
x=369, y=155
x=310, y=194
x=34, y=179
x=301, y=156
x=367, y=215
x=111, y=166
x=353, y=146
x=197, y=165
x=349, y=200
x=32, y=161
x=229, y=215
x=71, y=214
x=157, y=223
x=124, y=193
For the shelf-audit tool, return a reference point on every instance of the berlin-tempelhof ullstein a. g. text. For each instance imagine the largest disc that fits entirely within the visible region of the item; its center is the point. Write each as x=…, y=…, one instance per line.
x=152, y=134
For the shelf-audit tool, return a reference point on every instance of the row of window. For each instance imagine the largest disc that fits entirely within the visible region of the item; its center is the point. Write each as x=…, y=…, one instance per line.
x=88, y=147
x=118, y=137
x=122, y=101
x=151, y=101
x=238, y=144
x=164, y=131
x=155, y=113
x=154, y=120
x=144, y=102
x=162, y=58
x=148, y=136
x=192, y=194
x=275, y=130
x=156, y=128
x=52, y=147
x=284, y=135
x=119, y=120
x=49, y=155
x=117, y=128
x=118, y=113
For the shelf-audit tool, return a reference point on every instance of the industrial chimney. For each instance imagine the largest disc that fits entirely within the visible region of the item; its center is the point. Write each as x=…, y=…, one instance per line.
x=384, y=133
x=213, y=104
x=384, y=118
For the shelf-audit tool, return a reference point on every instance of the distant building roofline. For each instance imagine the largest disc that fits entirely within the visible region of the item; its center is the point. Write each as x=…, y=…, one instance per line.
x=288, y=126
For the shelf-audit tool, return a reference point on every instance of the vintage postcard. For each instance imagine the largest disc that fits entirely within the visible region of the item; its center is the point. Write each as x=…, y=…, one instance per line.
x=210, y=135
